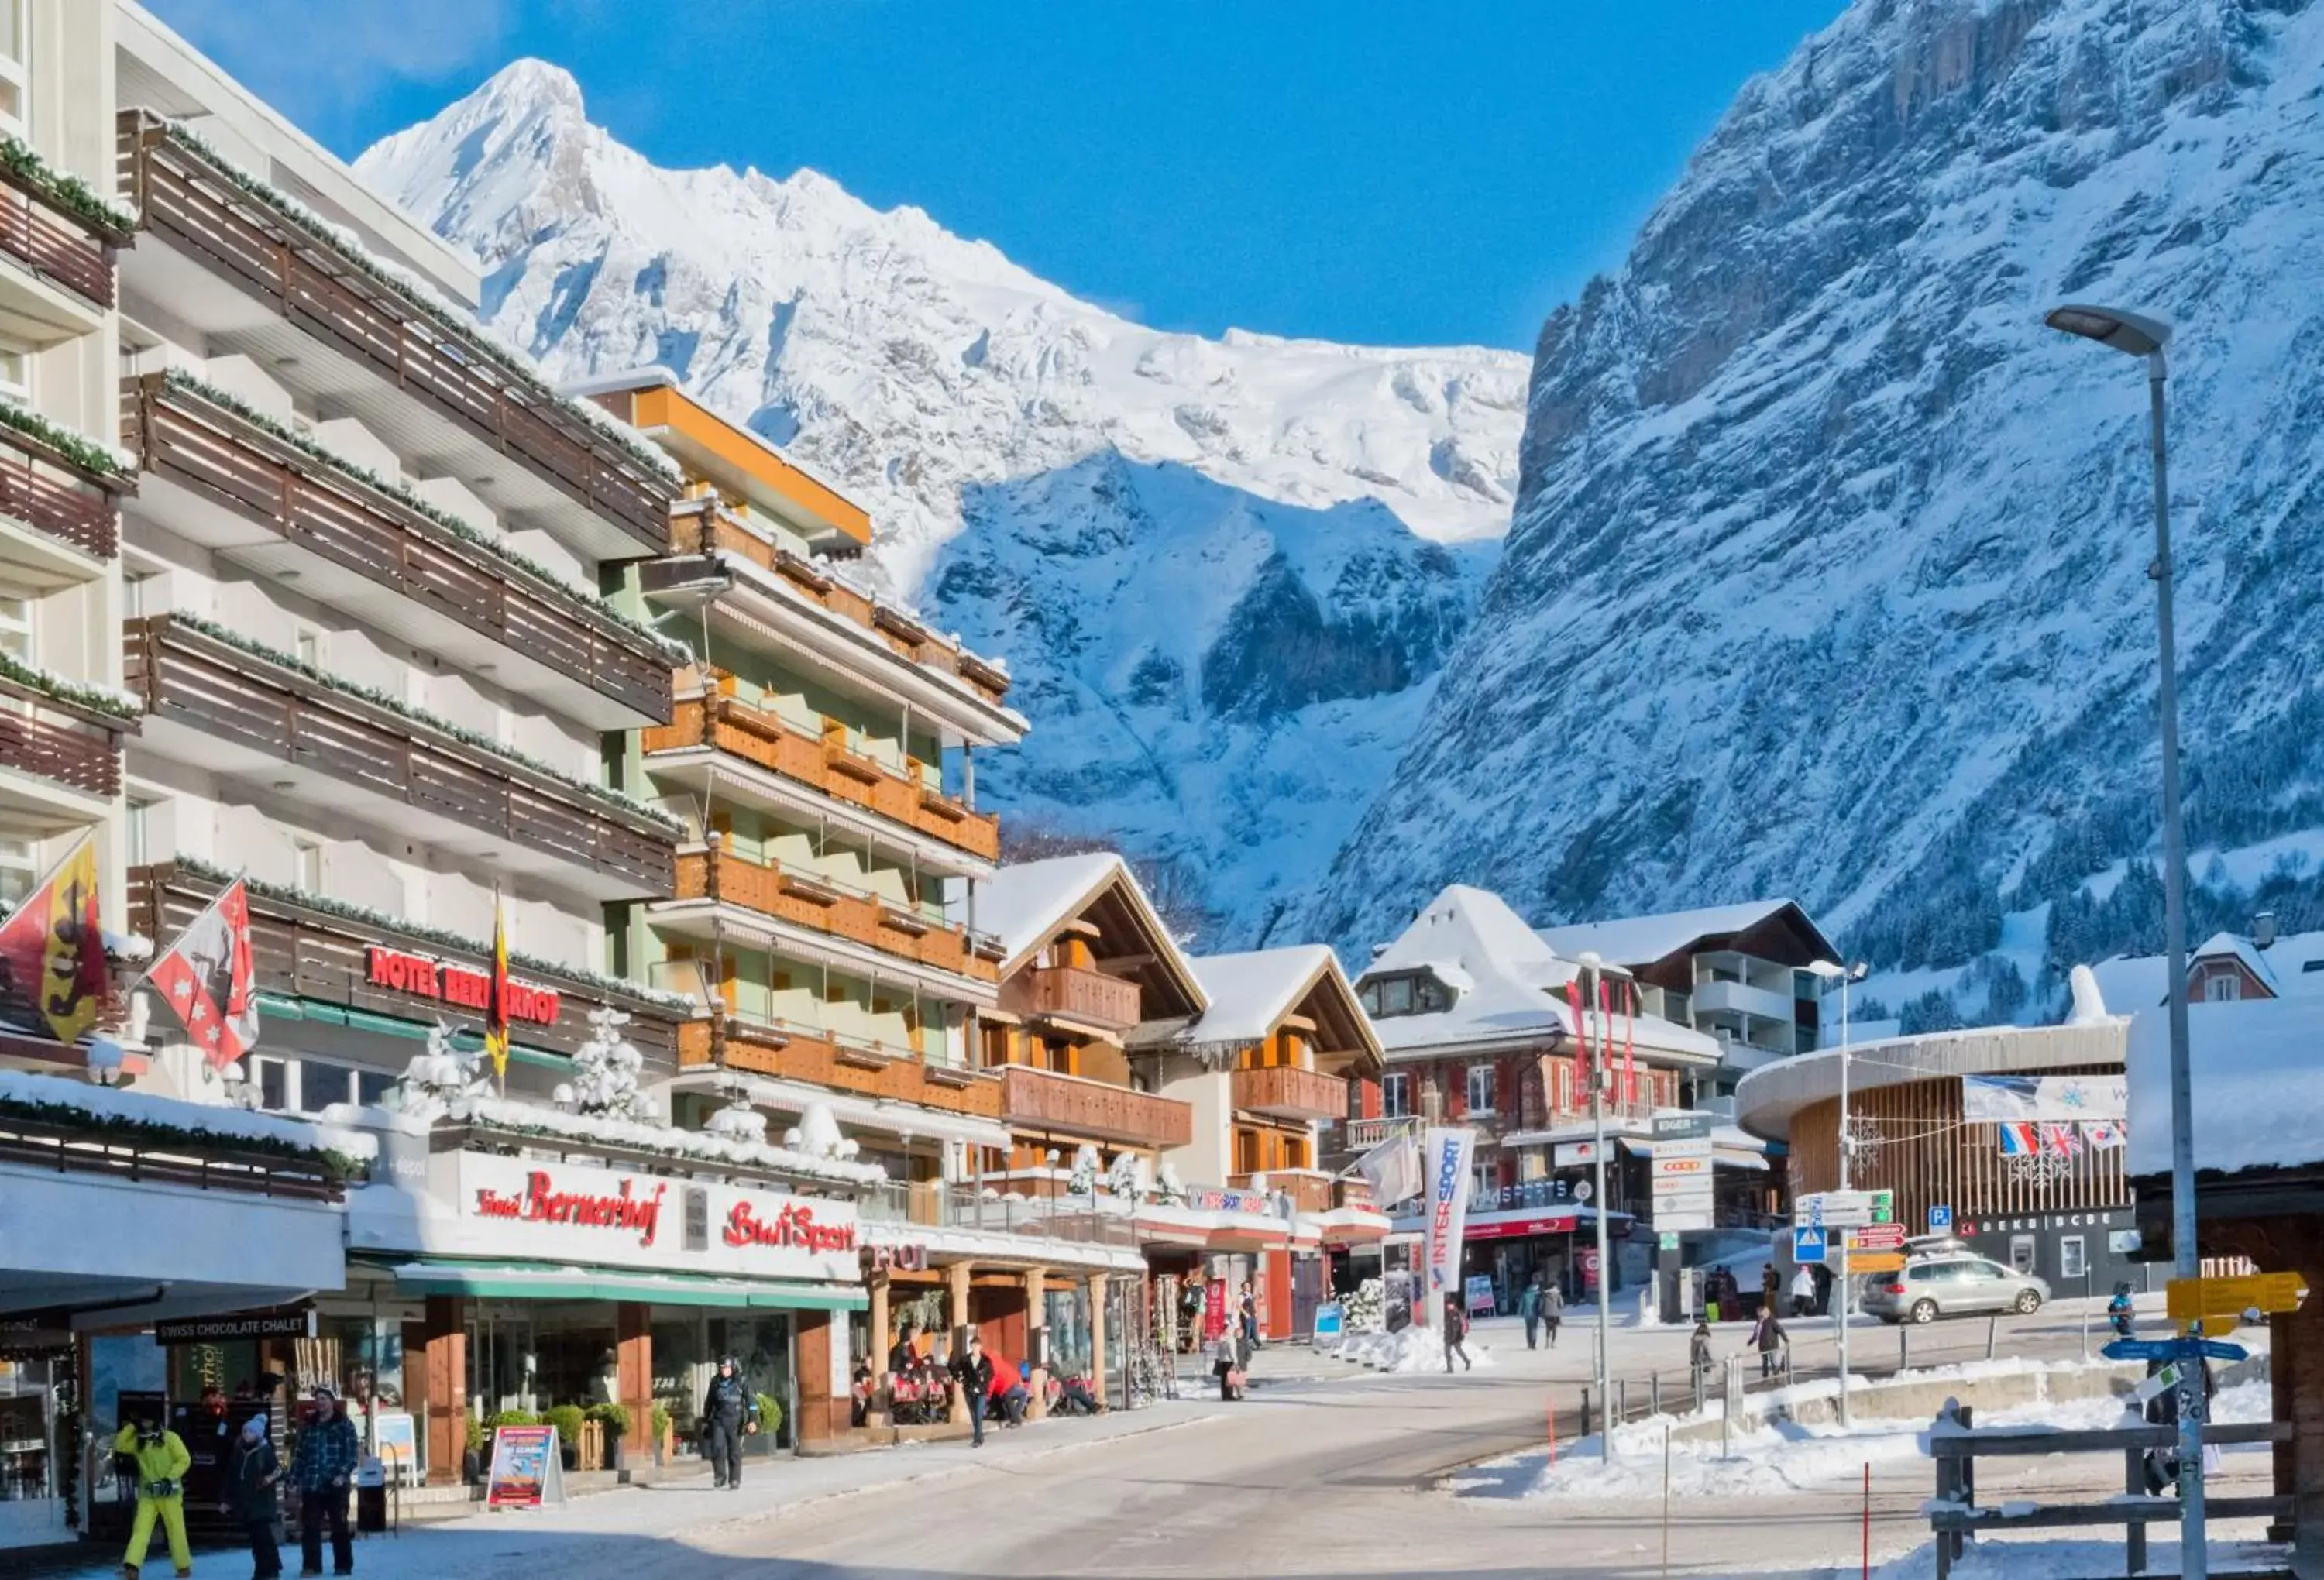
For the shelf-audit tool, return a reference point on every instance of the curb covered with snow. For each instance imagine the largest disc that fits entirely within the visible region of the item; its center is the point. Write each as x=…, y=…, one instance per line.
x=1415, y=1349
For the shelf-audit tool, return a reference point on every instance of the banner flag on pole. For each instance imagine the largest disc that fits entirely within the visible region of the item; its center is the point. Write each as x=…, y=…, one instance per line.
x=1580, y=1032
x=1392, y=1169
x=1605, y=1031
x=496, y=999
x=2017, y=1140
x=1629, y=1042
x=52, y=946
x=209, y=979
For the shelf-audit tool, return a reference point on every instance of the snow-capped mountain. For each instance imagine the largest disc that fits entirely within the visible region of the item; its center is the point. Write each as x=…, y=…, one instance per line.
x=948, y=389
x=1828, y=576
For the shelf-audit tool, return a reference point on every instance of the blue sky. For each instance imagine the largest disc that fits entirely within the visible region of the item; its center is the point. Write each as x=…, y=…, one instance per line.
x=1400, y=173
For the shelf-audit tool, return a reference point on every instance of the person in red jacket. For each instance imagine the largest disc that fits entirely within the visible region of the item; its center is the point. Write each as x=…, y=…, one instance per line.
x=1009, y=1395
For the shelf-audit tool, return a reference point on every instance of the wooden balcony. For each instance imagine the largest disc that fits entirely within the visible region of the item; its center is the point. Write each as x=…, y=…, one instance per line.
x=904, y=635
x=262, y=248
x=756, y=735
x=54, y=244
x=807, y=900
x=1090, y=998
x=50, y=493
x=406, y=774
x=545, y=639
x=1353, y=1192
x=1309, y=1190
x=1284, y=1091
x=813, y=1057
x=318, y=958
x=1039, y=1099
x=76, y=748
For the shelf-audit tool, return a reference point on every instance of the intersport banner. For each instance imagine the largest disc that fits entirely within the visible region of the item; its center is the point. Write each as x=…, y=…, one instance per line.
x=1445, y=1154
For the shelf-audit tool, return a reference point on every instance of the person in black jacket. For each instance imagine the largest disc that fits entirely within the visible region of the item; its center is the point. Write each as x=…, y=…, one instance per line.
x=250, y=1480
x=972, y=1369
x=730, y=1411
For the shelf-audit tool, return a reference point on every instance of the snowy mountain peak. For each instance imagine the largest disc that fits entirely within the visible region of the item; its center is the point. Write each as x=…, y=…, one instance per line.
x=905, y=360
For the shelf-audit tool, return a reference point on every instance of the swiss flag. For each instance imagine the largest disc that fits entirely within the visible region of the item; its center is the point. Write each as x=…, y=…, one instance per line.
x=208, y=977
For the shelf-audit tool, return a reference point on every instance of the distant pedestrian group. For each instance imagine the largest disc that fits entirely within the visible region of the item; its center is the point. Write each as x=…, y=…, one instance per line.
x=1542, y=1306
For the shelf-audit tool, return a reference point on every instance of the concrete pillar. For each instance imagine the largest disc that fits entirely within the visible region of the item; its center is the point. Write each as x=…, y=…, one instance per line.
x=956, y=1313
x=1037, y=1341
x=445, y=1368
x=633, y=1375
x=878, y=1340
x=1100, y=1369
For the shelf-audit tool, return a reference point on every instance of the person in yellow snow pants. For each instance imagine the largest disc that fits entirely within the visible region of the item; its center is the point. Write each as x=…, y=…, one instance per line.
x=162, y=1465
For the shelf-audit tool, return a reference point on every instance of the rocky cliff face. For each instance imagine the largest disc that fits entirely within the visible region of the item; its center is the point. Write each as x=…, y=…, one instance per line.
x=1828, y=569
x=1071, y=468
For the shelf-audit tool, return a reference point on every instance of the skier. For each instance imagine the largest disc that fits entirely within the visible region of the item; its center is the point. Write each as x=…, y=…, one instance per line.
x=730, y=1412
x=162, y=1461
x=2118, y=1310
x=321, y=1467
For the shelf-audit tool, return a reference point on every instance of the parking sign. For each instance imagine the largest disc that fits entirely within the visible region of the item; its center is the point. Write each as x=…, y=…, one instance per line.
x=1940, y=1219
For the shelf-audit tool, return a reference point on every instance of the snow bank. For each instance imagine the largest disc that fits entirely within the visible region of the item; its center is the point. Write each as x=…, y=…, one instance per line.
x=1415, y=1349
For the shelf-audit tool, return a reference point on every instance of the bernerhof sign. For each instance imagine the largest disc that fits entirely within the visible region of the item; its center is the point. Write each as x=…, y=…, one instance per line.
x=586, y=1215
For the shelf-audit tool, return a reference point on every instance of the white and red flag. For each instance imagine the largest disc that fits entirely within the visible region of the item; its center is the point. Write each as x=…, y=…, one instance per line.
x=209, y=978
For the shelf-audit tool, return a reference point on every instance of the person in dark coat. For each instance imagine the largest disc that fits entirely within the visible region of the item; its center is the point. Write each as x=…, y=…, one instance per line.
x=972, y=1370
x=322, y=1467
x=730, y=1412
x=1698, y=1354
x=250, y=1480
x=1770, y=1286
x=1456, y=1328
x=1767, y=1334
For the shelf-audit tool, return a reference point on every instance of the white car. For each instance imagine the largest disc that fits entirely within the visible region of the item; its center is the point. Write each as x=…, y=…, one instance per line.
x=1952, y=1286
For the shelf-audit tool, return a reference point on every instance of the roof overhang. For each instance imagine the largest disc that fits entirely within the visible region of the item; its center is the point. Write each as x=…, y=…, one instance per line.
x=1768, y=1097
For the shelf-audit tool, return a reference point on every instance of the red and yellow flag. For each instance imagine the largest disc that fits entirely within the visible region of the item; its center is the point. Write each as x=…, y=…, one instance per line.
x=52, y=948
x=496, y=1001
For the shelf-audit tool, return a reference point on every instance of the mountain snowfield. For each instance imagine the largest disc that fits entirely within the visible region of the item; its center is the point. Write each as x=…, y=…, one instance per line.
x=947, y=389
x=1827, y=571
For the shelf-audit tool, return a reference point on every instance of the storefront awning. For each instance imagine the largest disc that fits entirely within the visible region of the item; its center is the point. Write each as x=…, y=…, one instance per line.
x=506, y=1282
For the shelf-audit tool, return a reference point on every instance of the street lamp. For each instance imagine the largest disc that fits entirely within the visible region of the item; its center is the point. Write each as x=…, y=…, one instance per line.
x=2136, y=336
x=1831, y=971
x=1592, y=970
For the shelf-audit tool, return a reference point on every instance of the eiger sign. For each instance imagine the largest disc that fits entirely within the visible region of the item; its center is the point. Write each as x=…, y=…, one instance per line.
x=424, y=978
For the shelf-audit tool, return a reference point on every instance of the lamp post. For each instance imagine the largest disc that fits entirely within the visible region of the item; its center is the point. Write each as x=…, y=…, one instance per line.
x=1830, y=970
x=2133, y=334
x=1592, y=974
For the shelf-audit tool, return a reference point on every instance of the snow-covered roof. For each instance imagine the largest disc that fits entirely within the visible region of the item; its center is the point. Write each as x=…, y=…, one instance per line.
x=1641, y=940
x=1252, y=992
x=2258, y=1070
x=2293, y=967
x=1024, y=903
x=1508, y=982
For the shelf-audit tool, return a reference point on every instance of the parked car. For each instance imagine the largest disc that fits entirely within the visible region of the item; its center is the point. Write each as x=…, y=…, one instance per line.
x=1952, y=1286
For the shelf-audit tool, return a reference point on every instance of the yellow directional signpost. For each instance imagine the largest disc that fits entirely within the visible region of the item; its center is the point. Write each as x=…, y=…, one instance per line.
x=2220, y=1303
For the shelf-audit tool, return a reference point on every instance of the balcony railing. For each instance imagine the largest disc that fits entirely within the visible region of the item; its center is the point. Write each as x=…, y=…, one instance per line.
x=234, y=463
x=906, y=637
x=1309, y=1190
x=244, y=235
x=46, y=491
x=818, y=1058
x=997, y=1209
x=1284, y=1091
x=809, y=900
x=1039, y=1099
x=756, y=735
x=53, y=243
x=240, y=700
x=200, y=1162
x=78, y=748
x=303, y=952
x=1353, y=1192
x=1076, y=994
x=1363, y=1134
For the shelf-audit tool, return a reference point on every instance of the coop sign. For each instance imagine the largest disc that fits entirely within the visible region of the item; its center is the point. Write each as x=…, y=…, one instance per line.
x=588, y=1215
x=422, y=977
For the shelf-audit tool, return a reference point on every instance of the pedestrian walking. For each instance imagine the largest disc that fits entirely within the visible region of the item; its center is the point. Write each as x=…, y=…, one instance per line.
x=1771, y=1285
x=1767, y=1334
x=730, y=1413
x=257, y=1470
x=1247, y=1308
x=1456, y=1328
x=1553, y=1312
x=1698, y=1354
x=161, y=1460
x=1803, y=1292
x=2118, y=1311
x=1529, y=1307
x=321, y=1467
x=972, y=1370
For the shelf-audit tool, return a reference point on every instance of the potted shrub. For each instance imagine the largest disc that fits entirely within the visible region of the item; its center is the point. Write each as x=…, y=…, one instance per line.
x=566, y=1419
x=614, y=1421
x=770, y=1420
x=472, y=1459
x=664, y=1448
